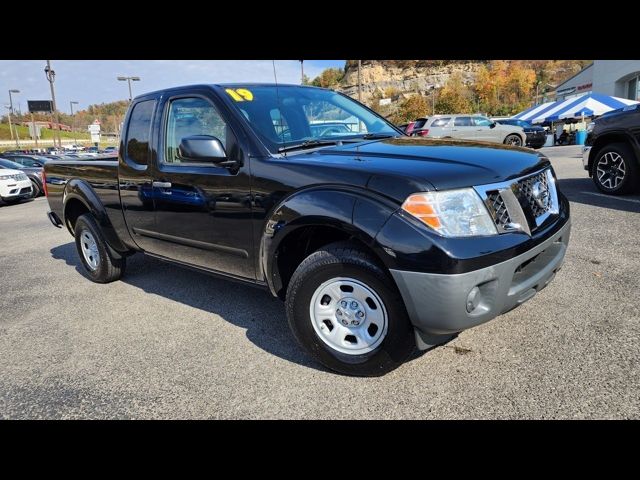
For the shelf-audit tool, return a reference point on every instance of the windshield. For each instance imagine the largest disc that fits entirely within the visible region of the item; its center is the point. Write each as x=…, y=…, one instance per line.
x=293, y=115
x=9, y=164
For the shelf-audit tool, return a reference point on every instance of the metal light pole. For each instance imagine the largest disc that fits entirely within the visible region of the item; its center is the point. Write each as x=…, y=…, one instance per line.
x=359, y=82
x=13, y=90
x=51, y=77
x=129, y=80
x=301, y=72
x=73, y=122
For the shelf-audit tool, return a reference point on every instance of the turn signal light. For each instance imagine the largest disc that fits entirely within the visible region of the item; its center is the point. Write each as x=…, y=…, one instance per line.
x=417, y=206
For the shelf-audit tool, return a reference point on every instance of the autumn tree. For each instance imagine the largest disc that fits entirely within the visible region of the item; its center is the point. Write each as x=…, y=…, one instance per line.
x=455, y=96
x=410, y=109
x=330, y=77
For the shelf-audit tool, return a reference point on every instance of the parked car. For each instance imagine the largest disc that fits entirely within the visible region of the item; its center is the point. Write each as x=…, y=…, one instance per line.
x=471, y=127
x=110, y=149
x=14, y=185
x=536, y=136
x=377, y=242
x=407, y=128
x=33, y=173
x=418, y=129
x=27, y=160
x=612, y=151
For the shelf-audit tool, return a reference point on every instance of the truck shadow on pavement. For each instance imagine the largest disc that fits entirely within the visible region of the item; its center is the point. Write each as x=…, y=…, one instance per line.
x=255, y=310
x=582, y=190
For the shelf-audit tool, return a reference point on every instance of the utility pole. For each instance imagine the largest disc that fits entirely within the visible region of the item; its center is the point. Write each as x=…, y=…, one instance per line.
x=12, y=90
x=301, y=72
x=359, y=82
x=73, y=122
x=35, y=132
x=129, y=80
x=11, y=126
x=51, y=77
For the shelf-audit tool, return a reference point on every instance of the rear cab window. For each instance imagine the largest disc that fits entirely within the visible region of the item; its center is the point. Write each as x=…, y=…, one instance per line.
x=139, y=133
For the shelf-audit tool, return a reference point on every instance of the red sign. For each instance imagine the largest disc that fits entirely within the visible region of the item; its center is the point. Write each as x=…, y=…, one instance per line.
x=586, y=86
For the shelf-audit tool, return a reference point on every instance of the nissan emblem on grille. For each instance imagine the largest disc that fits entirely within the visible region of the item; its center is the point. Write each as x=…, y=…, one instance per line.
x=541, y=195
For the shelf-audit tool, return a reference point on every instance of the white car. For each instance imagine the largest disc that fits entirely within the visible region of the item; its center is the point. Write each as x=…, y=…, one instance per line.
x=471, y=127
x=14, y=185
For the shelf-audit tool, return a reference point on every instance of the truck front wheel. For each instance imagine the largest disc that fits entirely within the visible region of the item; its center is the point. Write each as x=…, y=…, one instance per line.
x=100, y=265
x=347, y=313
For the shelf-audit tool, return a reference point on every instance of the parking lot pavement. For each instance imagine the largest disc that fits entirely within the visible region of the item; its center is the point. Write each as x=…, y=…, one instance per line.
x=167, y=342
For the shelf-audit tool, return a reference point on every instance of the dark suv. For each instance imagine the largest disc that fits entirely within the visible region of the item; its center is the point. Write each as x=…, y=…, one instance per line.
x=536, y=136
x=612, y=151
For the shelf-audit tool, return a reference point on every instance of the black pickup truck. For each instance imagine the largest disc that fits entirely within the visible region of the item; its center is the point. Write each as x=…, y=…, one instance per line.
x=377, y=242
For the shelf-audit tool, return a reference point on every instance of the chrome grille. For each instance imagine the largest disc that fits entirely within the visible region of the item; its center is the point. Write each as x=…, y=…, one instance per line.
x=526, y=187
x=498, y=209
x=522, y=204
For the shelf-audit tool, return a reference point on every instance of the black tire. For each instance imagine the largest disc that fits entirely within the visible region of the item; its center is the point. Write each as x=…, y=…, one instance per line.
x=513, y=139
x=108, y=268
x=344, y=259
x=35, y=189
x=621, y=153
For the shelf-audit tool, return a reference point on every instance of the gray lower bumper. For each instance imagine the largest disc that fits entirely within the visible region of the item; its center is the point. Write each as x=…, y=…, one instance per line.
x=437, y=304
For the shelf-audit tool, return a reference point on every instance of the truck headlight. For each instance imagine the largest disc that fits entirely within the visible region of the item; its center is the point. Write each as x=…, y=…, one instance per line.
x=5, y=177
x=451, y=213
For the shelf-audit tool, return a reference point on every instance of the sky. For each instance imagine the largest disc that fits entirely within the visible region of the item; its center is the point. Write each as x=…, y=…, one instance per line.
x=94, y=81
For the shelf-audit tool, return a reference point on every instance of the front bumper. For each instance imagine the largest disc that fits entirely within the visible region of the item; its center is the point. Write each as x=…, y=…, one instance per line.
x=12, y=189
x=437, y=303
x=585, y=157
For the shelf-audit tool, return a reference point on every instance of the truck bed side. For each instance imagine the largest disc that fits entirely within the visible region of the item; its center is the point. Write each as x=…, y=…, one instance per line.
x=77, y=186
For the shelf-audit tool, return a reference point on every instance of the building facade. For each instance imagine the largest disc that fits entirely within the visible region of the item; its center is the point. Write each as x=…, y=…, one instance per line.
x=618, y=78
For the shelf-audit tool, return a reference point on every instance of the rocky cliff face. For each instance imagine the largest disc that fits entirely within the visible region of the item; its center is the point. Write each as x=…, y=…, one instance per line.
x=404, y=76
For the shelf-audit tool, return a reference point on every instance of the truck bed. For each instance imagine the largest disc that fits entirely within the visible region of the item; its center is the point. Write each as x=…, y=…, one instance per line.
x=101, y=173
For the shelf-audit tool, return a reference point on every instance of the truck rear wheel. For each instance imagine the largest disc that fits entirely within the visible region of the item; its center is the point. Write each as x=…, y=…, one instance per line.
x=347, y=313
x=99, y=264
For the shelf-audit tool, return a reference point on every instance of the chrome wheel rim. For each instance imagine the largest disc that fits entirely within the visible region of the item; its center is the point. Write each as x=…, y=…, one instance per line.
x=89, y=249
x=348, y=316
x=611, y=170
x=514, y=140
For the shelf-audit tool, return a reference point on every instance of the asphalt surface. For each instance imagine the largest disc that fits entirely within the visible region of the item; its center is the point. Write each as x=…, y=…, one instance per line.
x=167, y=342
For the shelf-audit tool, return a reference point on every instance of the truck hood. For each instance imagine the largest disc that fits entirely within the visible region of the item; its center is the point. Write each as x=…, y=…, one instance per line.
x=444, y=164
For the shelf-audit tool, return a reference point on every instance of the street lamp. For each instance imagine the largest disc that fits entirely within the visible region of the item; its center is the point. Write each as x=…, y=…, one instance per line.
x=11, y=111
x=51, y=77
x=301, y=72
x=129, y=80
x=73, y=120
x=433, y=98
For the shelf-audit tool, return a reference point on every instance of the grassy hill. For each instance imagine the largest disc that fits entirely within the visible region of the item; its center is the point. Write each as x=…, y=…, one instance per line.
x=47, y=134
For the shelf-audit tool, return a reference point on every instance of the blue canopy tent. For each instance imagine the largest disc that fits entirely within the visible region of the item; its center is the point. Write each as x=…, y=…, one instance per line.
x=587, y=105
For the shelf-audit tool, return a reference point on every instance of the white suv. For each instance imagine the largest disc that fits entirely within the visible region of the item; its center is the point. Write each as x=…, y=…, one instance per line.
x=14, y=185
x=471, y=127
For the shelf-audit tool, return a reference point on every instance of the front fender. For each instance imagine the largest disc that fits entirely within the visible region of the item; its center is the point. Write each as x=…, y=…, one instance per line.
x=81, y=190
x=357, y=212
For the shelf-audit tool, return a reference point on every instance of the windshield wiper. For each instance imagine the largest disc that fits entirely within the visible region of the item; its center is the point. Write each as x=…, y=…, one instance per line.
x=309, y=144
x=370, y=136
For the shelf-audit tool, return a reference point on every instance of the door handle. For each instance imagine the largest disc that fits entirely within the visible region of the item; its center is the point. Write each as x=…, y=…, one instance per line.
x=161, y=184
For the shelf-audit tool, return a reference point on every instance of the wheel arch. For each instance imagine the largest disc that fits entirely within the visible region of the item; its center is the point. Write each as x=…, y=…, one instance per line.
x=313, y=218
x=609, y=138
x=80, y=198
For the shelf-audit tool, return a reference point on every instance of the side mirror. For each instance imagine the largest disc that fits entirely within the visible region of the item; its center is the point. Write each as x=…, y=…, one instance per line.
x=493, y=125
x=202, y=148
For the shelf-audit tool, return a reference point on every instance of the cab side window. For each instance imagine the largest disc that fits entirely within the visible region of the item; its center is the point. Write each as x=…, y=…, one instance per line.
x=482, y=121
x=139, y=132
x=441, y=122
x=187, y=117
